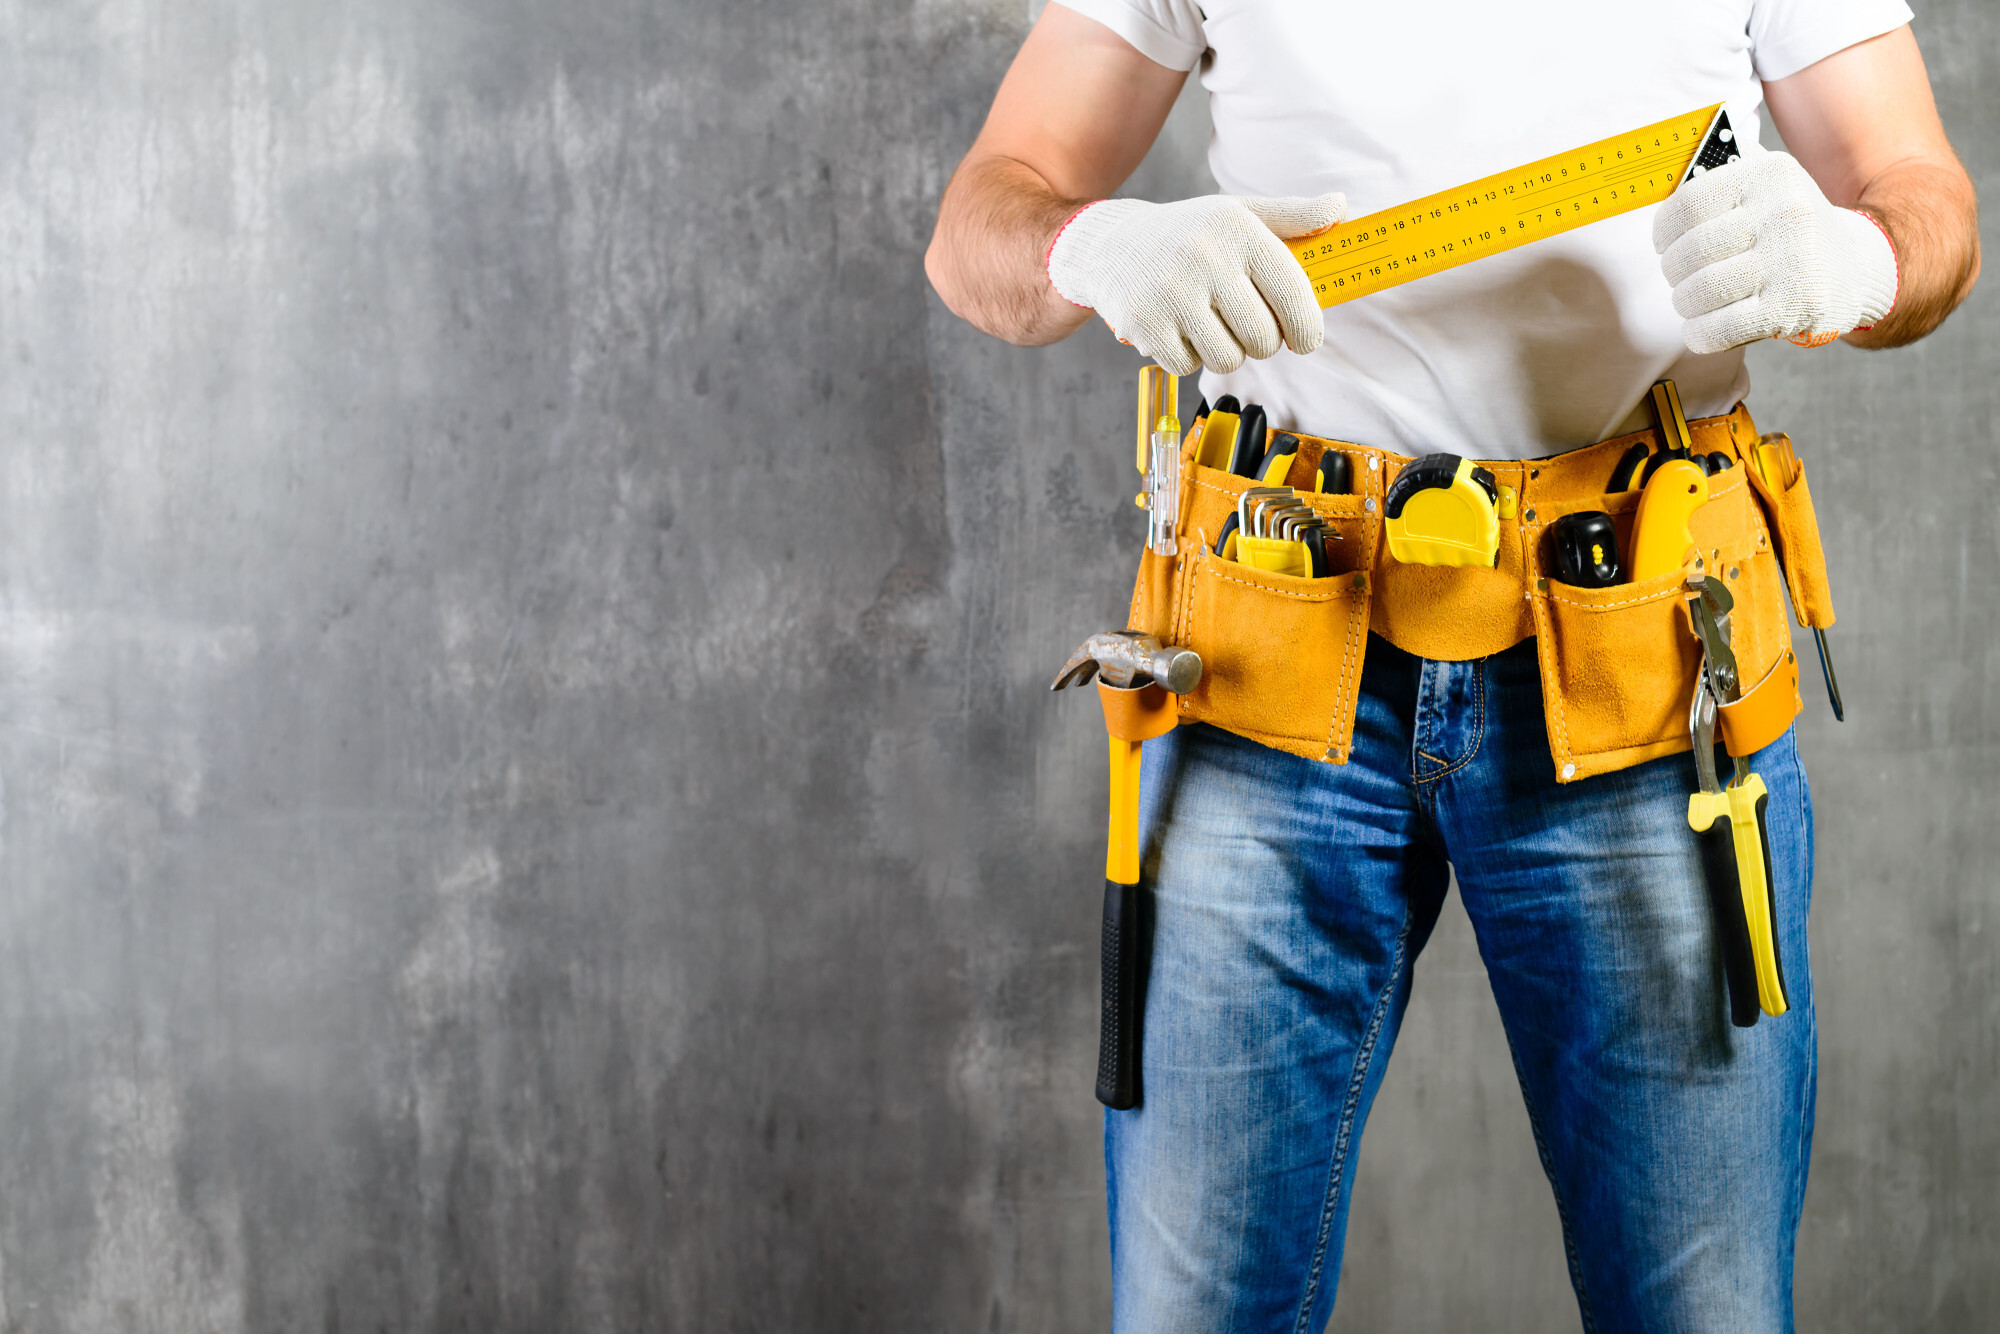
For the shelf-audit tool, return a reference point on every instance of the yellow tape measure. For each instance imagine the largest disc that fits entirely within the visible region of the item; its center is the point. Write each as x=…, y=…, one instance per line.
x=1485, y=217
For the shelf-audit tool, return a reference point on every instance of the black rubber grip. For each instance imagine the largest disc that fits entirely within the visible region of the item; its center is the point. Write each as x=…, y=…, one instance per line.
x=1118, y=1022
x=1336, y=473
x=1432, y=470
x=1627, y=472
x=1732, y=928
x=1247, y=458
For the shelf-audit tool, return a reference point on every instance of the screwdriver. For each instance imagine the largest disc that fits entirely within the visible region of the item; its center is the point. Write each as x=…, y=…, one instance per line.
x=1775, y=463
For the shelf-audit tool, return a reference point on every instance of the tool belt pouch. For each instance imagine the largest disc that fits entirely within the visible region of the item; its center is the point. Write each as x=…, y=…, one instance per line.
x=1282, y=656
x=1619, y=663
x=1796, y=529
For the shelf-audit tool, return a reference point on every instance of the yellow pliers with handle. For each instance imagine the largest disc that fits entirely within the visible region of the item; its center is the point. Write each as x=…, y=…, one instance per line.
x=1735, y=839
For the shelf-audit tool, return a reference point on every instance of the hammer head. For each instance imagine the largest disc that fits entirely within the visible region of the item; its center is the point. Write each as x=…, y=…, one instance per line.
x=1122, y=656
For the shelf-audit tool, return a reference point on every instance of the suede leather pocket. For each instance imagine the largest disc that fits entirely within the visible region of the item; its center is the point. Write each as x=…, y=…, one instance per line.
x=1618, y=668
x=1619, y=663
x=1801, y=550
x=1281, y=657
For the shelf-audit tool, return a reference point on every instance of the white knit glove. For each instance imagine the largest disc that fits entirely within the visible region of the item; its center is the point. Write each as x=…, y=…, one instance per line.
x=1754, y=250
x=1200, y=282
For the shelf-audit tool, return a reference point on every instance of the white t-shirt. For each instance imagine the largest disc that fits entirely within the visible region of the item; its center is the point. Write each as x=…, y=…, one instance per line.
x=1518, y=355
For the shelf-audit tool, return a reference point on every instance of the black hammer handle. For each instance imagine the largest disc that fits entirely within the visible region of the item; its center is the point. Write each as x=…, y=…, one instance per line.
x=1118, y=1025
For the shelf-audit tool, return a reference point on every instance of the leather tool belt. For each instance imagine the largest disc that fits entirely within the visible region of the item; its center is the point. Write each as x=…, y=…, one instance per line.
x=1282, y=655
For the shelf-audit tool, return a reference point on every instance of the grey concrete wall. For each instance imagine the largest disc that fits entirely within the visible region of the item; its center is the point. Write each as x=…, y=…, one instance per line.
x=529, y=802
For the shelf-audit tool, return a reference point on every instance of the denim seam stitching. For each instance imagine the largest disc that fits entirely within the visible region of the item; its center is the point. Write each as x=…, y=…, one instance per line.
x=1555, y=1188
x=1478, y=732
x=1342, y=1143
x=1799, y=1164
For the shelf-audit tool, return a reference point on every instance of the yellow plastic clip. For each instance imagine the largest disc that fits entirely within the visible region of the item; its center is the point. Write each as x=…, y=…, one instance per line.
x=1273, y=554
x=1218, y=437
x=1660, y=536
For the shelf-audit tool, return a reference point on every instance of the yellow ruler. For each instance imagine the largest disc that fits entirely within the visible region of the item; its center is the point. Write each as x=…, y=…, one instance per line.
x=1512, y=208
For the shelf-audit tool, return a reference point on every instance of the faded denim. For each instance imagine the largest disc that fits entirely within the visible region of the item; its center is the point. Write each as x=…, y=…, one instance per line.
x=1290, y=900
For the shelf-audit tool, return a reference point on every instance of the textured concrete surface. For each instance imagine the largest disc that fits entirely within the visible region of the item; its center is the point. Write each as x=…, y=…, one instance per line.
x=529, y=802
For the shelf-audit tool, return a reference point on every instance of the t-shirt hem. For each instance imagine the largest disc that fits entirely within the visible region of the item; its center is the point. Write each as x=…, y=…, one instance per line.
x=1832, y=34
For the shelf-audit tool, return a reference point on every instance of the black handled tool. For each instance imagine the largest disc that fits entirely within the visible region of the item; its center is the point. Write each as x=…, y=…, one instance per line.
x=1245, y=459
x=1336, y=473
x=1735, y=838
x=1586, y=549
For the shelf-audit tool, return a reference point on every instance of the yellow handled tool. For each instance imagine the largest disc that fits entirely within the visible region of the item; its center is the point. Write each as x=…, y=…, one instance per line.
x=1442, y=510
x=1735, y=838
x=1511, y=208
x=1137, y=677
x=1736, y=851
x=1777, y=466
x=1159, y=456
x=1660, y=537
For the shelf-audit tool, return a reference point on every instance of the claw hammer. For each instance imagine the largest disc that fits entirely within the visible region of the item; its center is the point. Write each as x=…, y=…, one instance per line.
x=1136, y=679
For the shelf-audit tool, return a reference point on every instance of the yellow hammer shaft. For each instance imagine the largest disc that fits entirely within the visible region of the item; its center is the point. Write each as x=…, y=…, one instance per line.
x=1121, y=852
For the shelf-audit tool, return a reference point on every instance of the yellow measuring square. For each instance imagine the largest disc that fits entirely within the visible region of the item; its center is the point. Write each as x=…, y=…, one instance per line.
x=1512, y=208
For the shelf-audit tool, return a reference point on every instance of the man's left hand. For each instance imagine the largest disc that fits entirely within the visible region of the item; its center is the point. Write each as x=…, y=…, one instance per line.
x=1754, y=250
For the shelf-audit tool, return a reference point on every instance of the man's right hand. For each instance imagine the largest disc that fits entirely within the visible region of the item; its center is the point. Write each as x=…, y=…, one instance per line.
x=1200, y=282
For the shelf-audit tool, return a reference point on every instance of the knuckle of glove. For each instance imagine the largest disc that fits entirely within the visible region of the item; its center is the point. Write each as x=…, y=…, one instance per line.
x=1732, y=326
x=1696, y=203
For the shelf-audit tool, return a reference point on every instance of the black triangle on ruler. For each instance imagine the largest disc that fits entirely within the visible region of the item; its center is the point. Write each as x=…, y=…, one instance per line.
x=1718, y=147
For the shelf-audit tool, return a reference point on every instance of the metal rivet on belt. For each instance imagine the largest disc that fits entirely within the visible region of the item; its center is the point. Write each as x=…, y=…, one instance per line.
x=1373, y=463
x=1368, y=504
x=1529, y=517
x=1541, y=585
x=1569, y=772
x=1534, y=473
x=1732, y=572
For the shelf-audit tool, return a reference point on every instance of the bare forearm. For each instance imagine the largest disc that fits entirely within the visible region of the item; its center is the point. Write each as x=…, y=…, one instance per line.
x=1932, y=217
x=994, y=226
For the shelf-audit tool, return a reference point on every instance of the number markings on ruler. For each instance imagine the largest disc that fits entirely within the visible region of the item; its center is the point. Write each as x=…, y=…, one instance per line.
x=1502, y=211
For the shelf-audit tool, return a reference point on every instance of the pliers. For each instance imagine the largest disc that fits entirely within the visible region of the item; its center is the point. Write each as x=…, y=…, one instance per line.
x=1735, y=841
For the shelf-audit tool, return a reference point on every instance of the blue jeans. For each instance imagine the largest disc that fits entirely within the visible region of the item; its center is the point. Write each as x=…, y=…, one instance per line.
x=1289, y=902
